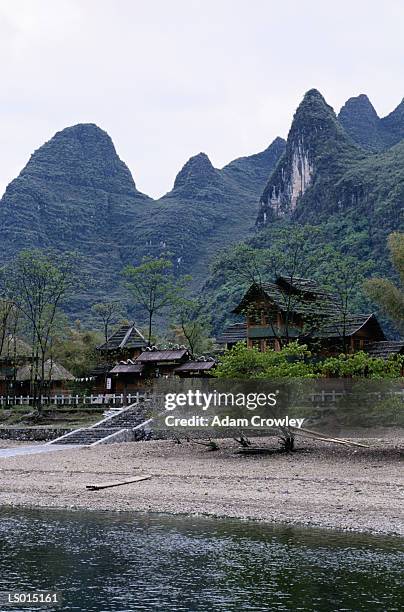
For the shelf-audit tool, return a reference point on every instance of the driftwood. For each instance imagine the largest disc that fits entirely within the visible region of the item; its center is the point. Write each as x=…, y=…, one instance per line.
x=211, y=444
x=257, y=450
x=327, y=438
x=336, y=440
x=243, y=440
x=116, y=483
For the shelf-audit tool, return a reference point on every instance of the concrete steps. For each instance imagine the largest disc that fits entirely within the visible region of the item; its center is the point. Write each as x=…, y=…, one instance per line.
x=126, y=420
x=86, y=436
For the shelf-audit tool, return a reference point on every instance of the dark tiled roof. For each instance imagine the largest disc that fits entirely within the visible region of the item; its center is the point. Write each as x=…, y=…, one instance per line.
x=337, y=327
x=385, y=348
x=311, y=300
x=296, y=283
x=193, y=366
x=100, y=370
x=234, y=333
x=127, y=337
x=127, y=368
x=164, y=355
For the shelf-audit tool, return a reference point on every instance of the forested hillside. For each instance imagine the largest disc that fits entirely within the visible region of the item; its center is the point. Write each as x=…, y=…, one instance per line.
x=342, y=176
x=345, y=196
x=75, y=194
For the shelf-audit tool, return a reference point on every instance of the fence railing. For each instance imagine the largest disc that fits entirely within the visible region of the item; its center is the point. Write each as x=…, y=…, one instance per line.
x=333, y=396
x=121, y=399
x=110, y=399
x=326, y=396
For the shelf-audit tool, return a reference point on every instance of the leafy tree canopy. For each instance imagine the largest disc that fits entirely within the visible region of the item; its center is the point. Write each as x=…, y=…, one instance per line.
x=294, y=361
x=388, y=295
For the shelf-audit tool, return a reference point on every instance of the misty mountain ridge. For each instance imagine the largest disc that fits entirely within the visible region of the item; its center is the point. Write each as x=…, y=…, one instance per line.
x=76, y=194
x=361, y=121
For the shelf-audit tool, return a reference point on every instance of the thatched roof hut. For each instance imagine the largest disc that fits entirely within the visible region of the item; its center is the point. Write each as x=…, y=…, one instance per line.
x=15, y=347
x=54, y=372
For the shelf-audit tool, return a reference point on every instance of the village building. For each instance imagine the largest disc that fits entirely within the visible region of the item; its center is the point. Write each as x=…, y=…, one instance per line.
x=127, y=364
x=359, y=331
x=199, y=368
x=386, y=349
x=126, y=343
x=56, y=379
x=299, y=309
x=96, y=378
x=133, y=374
x=14, y=353
x=163, y=362
x=237, y=332
x=125, y=377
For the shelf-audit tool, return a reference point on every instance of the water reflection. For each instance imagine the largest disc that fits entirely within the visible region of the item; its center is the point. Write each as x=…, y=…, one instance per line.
x=131, y=562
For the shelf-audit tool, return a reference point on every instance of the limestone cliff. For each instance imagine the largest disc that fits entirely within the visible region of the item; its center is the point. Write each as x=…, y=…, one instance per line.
x=317, y=151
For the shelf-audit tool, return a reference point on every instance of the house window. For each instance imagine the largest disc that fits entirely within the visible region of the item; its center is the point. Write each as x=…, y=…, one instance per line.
x=270, y=317
x=357, y=344
x=254, y=318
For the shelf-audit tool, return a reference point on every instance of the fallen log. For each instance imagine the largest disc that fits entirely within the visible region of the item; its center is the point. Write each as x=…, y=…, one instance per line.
x=326, y=438
x=257, y=450
x=212, y=445
x=336, y=440
x=116, y=483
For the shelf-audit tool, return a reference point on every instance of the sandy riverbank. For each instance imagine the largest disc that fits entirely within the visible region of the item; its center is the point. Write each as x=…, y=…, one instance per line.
x=16, y=443
x=322, y=484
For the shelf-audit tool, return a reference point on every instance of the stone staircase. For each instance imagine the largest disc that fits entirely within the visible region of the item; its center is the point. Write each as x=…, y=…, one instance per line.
x=121, y=424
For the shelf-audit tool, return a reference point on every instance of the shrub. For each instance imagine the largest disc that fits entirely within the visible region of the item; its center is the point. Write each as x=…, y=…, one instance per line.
x=360, y=365
x=241, y=362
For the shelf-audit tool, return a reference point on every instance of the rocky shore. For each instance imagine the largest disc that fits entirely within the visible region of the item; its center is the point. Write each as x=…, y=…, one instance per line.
x=321, y=484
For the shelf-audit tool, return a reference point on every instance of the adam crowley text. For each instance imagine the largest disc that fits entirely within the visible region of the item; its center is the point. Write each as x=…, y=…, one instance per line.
x=227, y=421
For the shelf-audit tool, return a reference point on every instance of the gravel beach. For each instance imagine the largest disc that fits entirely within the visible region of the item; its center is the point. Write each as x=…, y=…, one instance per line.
x=321, y=484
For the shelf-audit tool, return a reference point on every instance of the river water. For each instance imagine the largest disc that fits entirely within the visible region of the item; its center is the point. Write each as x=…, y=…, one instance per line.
x=132, y=562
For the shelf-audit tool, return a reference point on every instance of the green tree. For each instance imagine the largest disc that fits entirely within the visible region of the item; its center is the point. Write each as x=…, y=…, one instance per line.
x=154, y=287
x=191, y=326
x=108, y=313
x=242, y=263
x=10, y=324
x=37, y=283
x=290, y=255
x=384, y=292
x=293, y=361
x=343, y=277
x=7, y=317
x=76, y=349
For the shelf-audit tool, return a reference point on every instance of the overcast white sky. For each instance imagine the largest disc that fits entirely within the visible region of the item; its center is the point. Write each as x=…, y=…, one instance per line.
x=170, y=78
